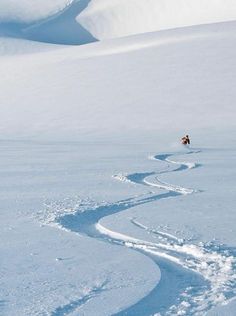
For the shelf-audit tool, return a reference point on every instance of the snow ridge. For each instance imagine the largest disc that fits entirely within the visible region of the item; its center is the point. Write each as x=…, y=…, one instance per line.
x=209, y=269
x=118, y=18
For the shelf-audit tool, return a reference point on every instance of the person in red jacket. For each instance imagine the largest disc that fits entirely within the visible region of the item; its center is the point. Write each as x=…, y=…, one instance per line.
x=185, y=140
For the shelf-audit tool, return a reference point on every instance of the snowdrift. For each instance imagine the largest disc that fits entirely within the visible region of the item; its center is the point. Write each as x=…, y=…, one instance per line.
x=117, y=18
x=182, y=77
x=44, y=21
x=84, y=21
x=27, y=11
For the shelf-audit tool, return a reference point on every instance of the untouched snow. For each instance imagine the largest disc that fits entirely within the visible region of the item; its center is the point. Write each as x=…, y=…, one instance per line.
x=84, y=21
x=26, y=11
x=121, y=17
x=101, y=210
x=44, y=21
x=11, y=47
x=103, y=87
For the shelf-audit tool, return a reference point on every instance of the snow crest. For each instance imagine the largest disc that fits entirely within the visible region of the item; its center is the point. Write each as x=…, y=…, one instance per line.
x=27, y=11
x=120, y=18
x=84, y=21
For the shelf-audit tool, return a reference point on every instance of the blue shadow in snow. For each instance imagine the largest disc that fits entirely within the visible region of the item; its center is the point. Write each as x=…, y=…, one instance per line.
x=62, y=28
x=173, y=282
x=139, y=177
x=72, y=306
x=84, y=222
x=2, y=305
x=163, y=295
x=182, y=166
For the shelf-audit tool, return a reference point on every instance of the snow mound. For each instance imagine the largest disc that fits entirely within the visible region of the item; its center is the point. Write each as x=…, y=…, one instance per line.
x=120, y=18
x=103, y=87
x=27, y=11
x=74, y=22
x=44, y=21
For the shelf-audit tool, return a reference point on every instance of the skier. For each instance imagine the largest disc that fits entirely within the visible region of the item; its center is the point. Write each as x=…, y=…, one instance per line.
x=185, y=140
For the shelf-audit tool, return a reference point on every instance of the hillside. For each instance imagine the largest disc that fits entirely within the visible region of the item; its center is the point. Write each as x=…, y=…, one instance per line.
x=122, y=18
x=84, y=21
x=184, y=77
x=102, y=210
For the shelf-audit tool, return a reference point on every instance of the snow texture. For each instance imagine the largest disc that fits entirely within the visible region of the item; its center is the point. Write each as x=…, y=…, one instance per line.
x=26, y=11
x=185, y=72
x=122, y=18
x=102, y=211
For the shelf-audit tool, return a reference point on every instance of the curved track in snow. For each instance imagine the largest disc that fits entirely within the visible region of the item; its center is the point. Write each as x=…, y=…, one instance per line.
x=194, y=277
x=152, y=179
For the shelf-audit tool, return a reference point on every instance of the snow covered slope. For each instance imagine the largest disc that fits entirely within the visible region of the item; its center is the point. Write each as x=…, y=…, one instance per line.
x=47, y=21
x=182, y=77
x=101, y=210
x=84, y=21
x=118, y=18
x=26, y=11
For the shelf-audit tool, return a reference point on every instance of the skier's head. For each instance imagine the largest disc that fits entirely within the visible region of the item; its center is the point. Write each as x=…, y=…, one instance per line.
x=186, y=136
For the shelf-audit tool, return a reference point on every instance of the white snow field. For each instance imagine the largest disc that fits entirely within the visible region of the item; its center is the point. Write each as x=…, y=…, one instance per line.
x=26, y=11
x=109, y=19
x=102, y=211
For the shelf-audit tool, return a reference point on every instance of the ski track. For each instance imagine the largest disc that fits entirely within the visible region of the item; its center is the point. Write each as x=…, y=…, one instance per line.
x=194, y=277
x=75, y=304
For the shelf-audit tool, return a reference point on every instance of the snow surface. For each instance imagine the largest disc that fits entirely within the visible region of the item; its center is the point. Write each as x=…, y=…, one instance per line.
x=84, y=21
x=121, y=17
x=102, y=211
x=53, y=22
x=26, y=11
x=95, y=87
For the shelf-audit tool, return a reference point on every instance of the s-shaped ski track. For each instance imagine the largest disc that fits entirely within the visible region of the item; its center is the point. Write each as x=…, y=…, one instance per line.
x=194, y=277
